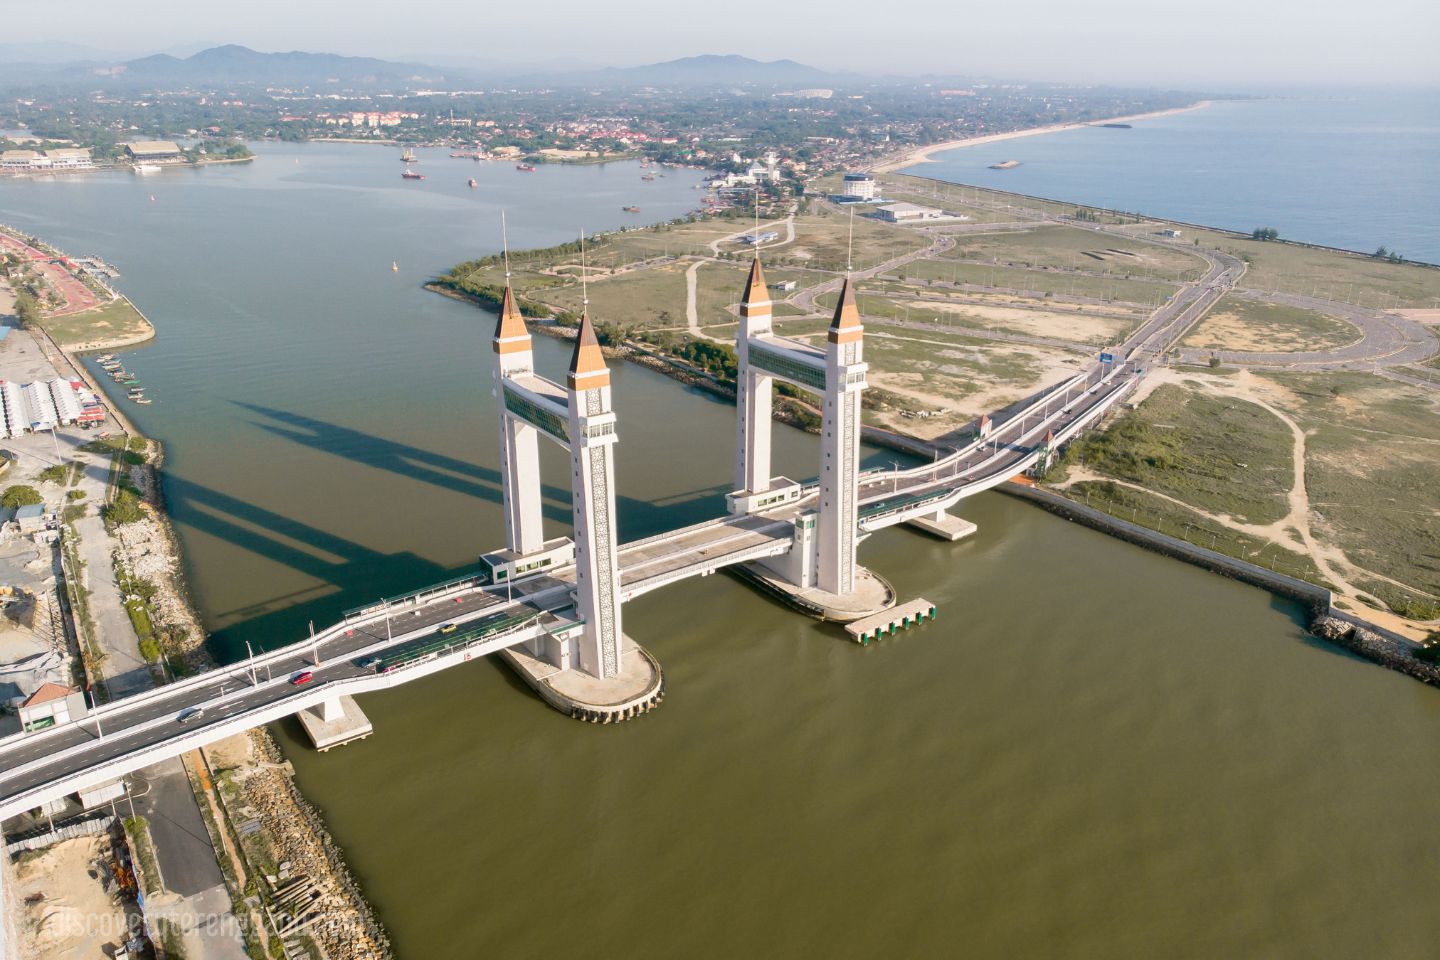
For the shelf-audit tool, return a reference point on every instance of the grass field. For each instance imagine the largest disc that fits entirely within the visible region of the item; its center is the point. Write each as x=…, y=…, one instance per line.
x=118, y=320
x=1223, y=456
x=1076, y=248
x=1238, y=323
x=1348, y=278
x=1372, y=466
x=822, y=239
x=1159, y=514
x=1040, y=282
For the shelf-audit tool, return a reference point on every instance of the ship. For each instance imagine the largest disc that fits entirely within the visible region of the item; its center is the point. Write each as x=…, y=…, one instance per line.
x=413, y=175
x=631, y=209
x=525, y=167
x=408, y=156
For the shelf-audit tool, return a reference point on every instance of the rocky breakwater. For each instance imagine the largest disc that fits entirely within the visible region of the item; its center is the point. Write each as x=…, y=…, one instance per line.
x=1387, y=650
x=334, y=912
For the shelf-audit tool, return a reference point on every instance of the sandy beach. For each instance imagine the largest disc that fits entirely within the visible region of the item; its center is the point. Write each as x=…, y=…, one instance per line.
x=923, y=154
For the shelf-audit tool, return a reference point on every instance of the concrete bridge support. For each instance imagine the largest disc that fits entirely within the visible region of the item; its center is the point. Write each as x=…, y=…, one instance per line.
x=754, y=388
x=838, y=536
x=334, y=722
x=519, y=440
x=943, y=525
x=592, y=465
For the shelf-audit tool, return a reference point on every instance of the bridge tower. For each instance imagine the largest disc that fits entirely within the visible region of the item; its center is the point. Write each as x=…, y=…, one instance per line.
x=753, y=388
x=592, y=475
x=519, y=440
x=845, y=368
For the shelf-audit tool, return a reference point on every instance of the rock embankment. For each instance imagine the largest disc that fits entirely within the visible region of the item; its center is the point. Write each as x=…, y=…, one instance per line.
x=1389, y=652
x=346, y=928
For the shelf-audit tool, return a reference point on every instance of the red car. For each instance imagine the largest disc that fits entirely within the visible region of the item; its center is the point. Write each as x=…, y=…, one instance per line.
x=304, y=676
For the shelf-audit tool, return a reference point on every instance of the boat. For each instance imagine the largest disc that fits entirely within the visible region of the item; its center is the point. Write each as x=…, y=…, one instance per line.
x=147, y=168
x=472, y=183
x=143, y=400
x=648, y=176
x=525, y=167
x=631, y=209
x=394, y=266
x=408, y=156
x=105, y=357
x=412, y=175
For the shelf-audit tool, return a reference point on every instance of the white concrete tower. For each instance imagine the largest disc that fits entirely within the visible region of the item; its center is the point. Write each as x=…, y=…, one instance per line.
x=836, y=540
x=592, y=478
x=519, y=441
x=753, y=388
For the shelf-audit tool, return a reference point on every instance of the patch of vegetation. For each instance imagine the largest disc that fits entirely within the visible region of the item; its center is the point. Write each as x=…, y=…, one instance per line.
x=1175, y=520
x=137, y=831
x=117, y=319
x=75, y=495
x=1223, y=456
x=54, y=474
x=125, y=508
x=20, y=495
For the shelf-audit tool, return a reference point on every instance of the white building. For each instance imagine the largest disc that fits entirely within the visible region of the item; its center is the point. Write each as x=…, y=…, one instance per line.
x=70, y=158
x=907, y=212
x=858, y=186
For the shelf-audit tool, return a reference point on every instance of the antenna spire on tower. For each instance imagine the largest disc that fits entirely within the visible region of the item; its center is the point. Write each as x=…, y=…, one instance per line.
x=757, y=222
x=584, y=276
x=850, y=244
x=505, y=244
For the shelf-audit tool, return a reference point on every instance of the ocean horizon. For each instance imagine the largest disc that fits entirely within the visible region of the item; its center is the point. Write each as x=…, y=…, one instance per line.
x=1356, y=172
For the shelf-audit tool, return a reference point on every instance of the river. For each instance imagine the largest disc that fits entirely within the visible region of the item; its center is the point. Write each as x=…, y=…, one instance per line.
x=1093, y=752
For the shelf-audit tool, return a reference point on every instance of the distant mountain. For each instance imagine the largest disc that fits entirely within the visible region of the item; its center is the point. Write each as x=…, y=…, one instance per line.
x=57, y=51
x=236, y=64
x=707, y=70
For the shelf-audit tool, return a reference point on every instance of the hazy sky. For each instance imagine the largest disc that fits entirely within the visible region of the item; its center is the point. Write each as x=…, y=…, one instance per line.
x=1217, y=42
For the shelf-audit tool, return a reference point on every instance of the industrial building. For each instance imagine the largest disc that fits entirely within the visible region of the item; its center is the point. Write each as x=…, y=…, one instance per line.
x=858, y=186
x=66, y=158
x=47, y=404
x=907, y=212
x=153, y=151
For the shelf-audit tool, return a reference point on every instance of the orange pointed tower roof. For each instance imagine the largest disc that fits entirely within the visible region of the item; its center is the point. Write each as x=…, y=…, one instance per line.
x=846, y=326
x=511, y=334
x=756, y=291
x=587, y=366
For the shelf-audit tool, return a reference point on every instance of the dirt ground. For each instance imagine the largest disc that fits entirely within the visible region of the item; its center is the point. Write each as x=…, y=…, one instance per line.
x=1097, y=324
x=74, y=915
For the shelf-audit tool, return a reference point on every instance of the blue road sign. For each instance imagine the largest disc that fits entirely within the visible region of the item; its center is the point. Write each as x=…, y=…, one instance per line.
x=1107, y=358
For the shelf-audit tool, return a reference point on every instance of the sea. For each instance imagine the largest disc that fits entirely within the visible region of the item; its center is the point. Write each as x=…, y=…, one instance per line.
x=1357, y=171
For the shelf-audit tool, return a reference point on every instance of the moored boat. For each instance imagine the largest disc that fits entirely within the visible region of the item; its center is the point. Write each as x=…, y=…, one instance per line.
x=412, y=175
x=525, y=167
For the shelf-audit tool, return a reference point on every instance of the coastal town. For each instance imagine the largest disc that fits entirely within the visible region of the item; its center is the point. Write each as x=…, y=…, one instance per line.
x=182, y=670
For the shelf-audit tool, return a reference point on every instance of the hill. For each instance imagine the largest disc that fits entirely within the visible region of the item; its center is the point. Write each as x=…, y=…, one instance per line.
x=706, y=70
x=236, y=64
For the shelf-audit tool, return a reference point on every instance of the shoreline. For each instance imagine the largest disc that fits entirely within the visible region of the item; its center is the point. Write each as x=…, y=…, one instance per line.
x=923, y=154
x=155, y=550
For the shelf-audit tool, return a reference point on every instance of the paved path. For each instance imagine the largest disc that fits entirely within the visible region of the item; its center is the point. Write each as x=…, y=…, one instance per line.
x=1387, y=339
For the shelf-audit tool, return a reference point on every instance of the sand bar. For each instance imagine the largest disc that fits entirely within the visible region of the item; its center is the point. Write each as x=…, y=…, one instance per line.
x=923, y=154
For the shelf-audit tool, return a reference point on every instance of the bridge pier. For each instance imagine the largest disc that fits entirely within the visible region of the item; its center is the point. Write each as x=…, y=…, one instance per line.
x=943, y=525
x=335, y=722
x=638, y=687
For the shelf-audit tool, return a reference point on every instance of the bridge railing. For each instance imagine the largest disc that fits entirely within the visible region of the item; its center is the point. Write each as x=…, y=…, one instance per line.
x=193, y=737
x=435, y=589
